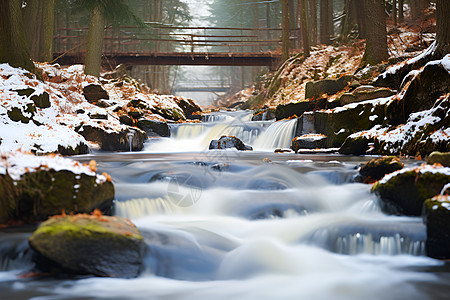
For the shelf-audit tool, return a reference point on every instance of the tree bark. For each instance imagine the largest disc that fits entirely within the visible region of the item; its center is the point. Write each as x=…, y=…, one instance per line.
x=376, y=41
x=313, y=15
x=442, y=27
x=324, y=22
x=304, y=27
x=394, y=12
x=13, y=43
x=285, y=29
x=94, y=45
x=32, y=21
x=401, y=16
x=49, y=20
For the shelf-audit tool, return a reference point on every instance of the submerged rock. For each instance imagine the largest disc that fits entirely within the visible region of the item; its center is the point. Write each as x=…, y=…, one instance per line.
x=404, y=192
x=228, y=142
x=376, y=168
x=32, y=188
x=309, y=141
x=436, y=216
x=88, y=245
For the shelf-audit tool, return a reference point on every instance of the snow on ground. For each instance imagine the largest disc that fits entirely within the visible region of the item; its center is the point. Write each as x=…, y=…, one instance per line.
x=43, y=129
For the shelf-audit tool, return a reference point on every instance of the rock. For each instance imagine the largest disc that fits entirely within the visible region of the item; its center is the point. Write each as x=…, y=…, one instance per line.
x=151, y=127
x=126, y=119
x=135, y=114
x=188, y=106
x=355, y=145
x=439, y=158
x=114, y=140
x=264, y=114
x=119, y=72
x=81, y=148
x=94, y=92
x=337, y=124
x=99, y=116
x=42, y=186
x=42, y=100
x=420, y=93
x=377, y=168
x=364, y=93
x=309, y=141
x=436, y=216
x=173, y=114
x=315, y=89
x=404, y=192
x=284, y=111
x=228, y=142
x=88, y=245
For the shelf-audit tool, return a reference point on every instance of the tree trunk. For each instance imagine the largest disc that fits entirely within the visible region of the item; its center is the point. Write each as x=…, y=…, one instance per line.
x=285, y=29
x=313, y=15
x=324, y=22
x=304, y=27
x=49, y=20
x=13, y=43
x=349, y=21
x=376, y=41
x=442, y=27
x=94, y=45
x=401, y=16
x=32, y=22
x=394, y=12
x=359, y=10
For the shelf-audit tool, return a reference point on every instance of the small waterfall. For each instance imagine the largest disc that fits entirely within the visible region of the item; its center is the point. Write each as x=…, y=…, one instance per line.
x=278, y=135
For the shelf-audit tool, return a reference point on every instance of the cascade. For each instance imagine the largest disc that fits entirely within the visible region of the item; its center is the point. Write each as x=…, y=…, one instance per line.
x=278, y=135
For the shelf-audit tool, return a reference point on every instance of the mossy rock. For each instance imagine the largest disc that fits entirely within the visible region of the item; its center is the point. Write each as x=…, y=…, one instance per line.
x=46, y=193
x=174, y=114
x=421, y=93
x=376, y=168
x=364, y=93
x=42, y=100
x=405, y=192
x=315, y=89
x=8, y=198
x=355, y=145
x=88, y=245
x=81, y=148
x=309, y=141
x=436, y=216
x=284, y=111
x=437, y=157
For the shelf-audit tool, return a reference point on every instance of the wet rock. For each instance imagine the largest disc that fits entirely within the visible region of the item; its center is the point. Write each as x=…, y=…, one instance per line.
x=284, y=111
x=152, y=127
x=188, y=106
x=94, y=92
x=437, y=157
x=404, y=192
x=363, y=93
x=264, y=114
x=309, y=141
x=109, y=140
x=355, y=145
x=420, y=93
x=228, y=142
x=88, y=245
x=126, y=119
x=315, y=89
x=436, y=216
x=45, y=186
x=377, y=168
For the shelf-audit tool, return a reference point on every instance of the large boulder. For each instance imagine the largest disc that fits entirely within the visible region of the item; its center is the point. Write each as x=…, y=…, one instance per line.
x=152, y=127
x=94, y=92
x=404, y=192
x=228, y=142
x=355, y=144
x=188, y=106
x=437, y=157
x=363, y=93
x=284, y=111
x=315, y=89
x=88, y=245
x=111, y=140
x=436, y=216
x=420, y=93
x=377, y=168
x=309, y=141
x=32, y=188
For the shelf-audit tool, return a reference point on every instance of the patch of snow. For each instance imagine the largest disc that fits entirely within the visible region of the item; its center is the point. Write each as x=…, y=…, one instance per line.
x=422, y=170
x=373, y=118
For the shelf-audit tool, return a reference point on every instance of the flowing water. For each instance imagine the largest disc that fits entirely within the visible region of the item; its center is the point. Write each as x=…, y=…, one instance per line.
x=245, y=225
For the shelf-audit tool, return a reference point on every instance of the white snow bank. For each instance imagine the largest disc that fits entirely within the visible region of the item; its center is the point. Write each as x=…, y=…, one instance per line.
x=18, y=163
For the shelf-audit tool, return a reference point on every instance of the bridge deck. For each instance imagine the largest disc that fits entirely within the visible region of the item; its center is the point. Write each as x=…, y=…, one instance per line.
x=175, y=58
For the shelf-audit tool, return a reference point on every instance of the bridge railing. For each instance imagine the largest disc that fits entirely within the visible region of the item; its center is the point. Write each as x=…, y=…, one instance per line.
x=155, y=39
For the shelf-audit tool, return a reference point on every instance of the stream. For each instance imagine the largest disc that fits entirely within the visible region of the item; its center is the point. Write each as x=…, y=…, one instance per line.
x=226, y=224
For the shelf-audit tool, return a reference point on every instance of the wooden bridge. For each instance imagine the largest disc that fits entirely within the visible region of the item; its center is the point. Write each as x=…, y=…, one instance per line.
x=169, y=45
